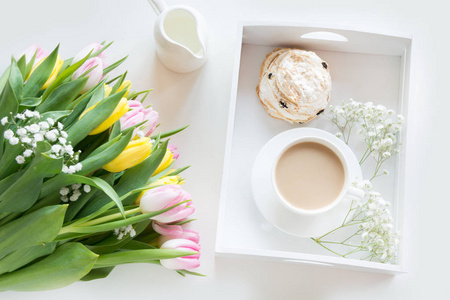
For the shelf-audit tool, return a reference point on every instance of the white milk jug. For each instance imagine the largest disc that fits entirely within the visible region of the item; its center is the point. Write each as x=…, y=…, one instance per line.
x=180, y=35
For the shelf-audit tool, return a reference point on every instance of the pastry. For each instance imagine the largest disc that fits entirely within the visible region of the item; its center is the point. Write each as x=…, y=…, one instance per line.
x=294, y=85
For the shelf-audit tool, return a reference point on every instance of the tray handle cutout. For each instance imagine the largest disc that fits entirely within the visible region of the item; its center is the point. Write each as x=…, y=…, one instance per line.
x=307, y=262
x=324, y=35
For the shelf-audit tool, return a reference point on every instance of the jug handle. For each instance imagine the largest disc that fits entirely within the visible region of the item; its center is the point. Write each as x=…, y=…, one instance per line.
x=158, y=5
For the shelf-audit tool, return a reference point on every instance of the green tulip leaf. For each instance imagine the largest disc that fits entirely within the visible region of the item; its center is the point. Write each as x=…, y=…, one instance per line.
x=63, y=76
x=64, y=94
x=21, y=257
x=33, y=229
x=8, y=104
x=4, y=78
x=170, y=133
x=114, y=65
x=97, y=274
x=25, y=187
x=111, y=243
x=8, y=181
x=30, y=102
x=133, y=178
x=69, y=263
x=40, y=75
x=104, y=154
x=93, y=118
x=138, y=256
x=54, y=185
x=56, y=115
x=16, y=81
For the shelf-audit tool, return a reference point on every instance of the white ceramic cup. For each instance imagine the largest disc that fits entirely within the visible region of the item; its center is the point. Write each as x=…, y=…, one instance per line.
x=347, y=191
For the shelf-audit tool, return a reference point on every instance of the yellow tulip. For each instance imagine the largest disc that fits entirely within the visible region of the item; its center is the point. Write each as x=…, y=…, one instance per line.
x=175, y=179
x=134, y=153
x=108, y=90
x=125, y=85
x=121, y=109
x=165, y=163
x=52, y=77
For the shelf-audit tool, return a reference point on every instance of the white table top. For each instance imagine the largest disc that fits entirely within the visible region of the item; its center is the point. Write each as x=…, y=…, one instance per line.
x=201, y=99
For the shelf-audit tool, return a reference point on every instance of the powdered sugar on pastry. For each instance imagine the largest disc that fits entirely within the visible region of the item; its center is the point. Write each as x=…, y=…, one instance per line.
x=294, y=85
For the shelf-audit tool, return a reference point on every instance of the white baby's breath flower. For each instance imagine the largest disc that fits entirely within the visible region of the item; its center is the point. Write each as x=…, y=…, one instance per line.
x=26, y=140
x=14, y=141
x=56, y=148
x=44, y=125
x=50, y=121
x=27, y=153
x=50, y=135
x=76, y=186
x=64, y=191
x=62, y=140
x=87, y=188
x=386, y=154
x=38, y=137
x=34, y=128
x=140, y=133
x=20, y=159
x=78, y=167
x=21, y=131
x=28, y=113
x=8, y=134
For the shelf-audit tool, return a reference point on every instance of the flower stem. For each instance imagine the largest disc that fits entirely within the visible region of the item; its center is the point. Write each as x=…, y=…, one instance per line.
x=111, y=217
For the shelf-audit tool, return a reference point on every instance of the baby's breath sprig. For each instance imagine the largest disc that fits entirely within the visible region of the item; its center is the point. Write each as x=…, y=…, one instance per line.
x=123, y=231
x=30, y=128
x=73, y=192
x=378, y=126
x=374, y=234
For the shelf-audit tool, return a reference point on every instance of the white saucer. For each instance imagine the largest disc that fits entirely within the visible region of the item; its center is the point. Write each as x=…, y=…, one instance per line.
x=267, y=200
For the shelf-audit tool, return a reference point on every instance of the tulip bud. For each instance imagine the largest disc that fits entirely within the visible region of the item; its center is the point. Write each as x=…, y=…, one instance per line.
x=58, y=64
x=95, y=75
x=166, y=196
x=185, y=262
x=169, y=157
x=30, y=51
x=121, y=109
x=134, y=153
x=166, y=180
x=94, y=47
x=169, y=232
x=125, y=85
x=138, y=114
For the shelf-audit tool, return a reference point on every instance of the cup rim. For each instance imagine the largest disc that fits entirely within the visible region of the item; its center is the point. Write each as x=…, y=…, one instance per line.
x=333, y=147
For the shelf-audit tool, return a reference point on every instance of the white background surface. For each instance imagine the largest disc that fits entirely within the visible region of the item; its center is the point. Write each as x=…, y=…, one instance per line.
x=201, y=99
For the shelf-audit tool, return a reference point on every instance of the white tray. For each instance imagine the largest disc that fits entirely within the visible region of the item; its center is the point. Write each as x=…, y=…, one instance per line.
x=368, y=67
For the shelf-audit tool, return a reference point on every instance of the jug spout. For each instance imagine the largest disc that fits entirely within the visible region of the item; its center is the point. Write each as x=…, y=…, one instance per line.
x=181, y=38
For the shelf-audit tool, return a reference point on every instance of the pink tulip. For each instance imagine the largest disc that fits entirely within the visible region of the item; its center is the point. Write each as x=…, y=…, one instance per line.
x=174, y=151
x=175, y=232
x=94, y=47
x=185, y=262
x=138, y=114
x=163, y=197
x=30, y=51
x=95, y=75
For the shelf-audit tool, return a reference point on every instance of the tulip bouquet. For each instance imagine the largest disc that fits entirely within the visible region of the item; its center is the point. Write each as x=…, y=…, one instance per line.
x=85, y=183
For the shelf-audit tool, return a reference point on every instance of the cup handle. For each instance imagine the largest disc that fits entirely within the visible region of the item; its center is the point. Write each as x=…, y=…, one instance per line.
x=158, y=6
x=355, y=193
